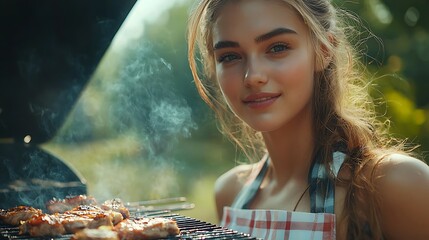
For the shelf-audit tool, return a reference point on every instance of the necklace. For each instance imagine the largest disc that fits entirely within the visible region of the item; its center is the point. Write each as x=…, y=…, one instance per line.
x=302, y=195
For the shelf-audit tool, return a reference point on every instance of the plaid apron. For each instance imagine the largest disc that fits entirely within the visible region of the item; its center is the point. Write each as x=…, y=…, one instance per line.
x=280, y=224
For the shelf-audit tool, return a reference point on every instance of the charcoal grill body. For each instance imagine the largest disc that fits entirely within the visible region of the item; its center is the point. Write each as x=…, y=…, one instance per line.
x=31, y=176
x=49, y=50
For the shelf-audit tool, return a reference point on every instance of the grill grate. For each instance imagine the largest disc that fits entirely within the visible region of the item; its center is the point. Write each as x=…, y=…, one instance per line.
x=190, y=228
x=7, y=232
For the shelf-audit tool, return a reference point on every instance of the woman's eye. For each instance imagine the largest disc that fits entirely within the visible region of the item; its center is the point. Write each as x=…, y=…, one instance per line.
x=279, y=47
x=227, y=58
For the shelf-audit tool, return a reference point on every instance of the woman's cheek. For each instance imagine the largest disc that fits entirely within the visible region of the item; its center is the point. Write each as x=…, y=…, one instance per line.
x=300, y=71
x=228, y=83
x=227, y=89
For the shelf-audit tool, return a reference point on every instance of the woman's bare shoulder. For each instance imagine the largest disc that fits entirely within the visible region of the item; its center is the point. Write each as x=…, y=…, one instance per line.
x=403, y=184
x=229, y=184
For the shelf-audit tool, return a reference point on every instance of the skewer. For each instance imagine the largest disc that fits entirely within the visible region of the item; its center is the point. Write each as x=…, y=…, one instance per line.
x=155, y=202
x=172, y=207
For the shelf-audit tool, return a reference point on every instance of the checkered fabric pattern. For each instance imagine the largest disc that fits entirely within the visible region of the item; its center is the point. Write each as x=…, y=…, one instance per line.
x=280, y=224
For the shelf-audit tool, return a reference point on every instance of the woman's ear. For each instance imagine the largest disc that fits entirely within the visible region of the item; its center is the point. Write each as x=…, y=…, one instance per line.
x=326, y=54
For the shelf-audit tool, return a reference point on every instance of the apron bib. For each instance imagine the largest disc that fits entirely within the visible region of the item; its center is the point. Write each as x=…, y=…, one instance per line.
x=279, y=224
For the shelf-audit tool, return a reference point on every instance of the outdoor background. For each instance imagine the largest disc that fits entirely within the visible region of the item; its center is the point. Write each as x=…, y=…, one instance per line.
x=139, y=131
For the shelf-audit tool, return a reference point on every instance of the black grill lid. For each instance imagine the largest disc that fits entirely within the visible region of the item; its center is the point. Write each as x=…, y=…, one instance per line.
x=49, y=49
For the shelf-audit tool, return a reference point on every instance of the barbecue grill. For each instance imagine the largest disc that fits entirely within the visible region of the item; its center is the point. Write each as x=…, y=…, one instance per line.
x=190, y=228
x=49, y=49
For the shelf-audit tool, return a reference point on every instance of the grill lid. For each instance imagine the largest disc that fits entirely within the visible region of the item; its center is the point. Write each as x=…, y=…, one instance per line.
x=49, y=49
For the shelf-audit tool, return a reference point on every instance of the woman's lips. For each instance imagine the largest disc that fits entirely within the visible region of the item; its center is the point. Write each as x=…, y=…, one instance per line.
x=261, y=100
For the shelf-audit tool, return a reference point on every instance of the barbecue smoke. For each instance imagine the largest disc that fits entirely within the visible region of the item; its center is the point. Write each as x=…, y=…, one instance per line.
x=143, y=98
x=127, y=126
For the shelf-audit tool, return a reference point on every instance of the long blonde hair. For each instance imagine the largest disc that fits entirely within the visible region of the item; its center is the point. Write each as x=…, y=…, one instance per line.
x=343, y=110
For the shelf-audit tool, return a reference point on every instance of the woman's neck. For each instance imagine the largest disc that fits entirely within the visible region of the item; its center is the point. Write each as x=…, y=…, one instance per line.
x=291, y=150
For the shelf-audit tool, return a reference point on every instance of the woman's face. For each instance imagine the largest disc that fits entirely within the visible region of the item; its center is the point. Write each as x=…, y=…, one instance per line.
x=264, y=63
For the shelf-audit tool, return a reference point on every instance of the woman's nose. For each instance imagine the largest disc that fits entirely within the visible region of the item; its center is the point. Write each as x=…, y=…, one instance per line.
x=254, y=73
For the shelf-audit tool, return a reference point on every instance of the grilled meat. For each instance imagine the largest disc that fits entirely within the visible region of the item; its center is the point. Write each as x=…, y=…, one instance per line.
x=63, y=205
x=71, y=221
x=14, y=216
x=74, y=223
x=116, y=205
x=146, y=228
x=43, y=225
x=93, y=211
x=101, y=233
x=81, y=216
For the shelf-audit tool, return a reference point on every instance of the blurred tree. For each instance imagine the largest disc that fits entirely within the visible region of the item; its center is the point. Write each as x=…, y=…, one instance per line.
x=398, y=57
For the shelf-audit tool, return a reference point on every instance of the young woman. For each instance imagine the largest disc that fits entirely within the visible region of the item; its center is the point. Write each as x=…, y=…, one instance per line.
x=283, y=81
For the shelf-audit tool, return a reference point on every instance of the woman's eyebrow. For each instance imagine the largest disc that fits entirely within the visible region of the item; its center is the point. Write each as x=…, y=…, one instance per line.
x=261, y=38
x=273, y=33
x=225, y=44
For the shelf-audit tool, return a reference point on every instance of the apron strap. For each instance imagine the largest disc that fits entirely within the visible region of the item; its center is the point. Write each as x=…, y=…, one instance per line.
x=322, y=186
x=245, y=196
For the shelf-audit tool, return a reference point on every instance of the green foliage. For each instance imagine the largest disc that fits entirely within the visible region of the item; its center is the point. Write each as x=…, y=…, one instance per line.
x=399, y=61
